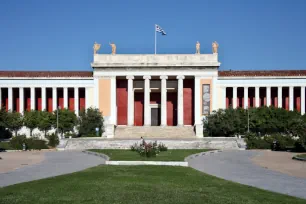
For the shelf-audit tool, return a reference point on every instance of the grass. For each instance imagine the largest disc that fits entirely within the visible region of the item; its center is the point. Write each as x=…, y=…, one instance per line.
x=301, y=156
x=139, y=184
x=128, y=155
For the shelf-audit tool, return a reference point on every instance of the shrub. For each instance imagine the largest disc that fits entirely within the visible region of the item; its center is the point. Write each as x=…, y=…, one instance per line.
x=31, y=143
x=255, y=142
x=53, y=140
x=5, y=146
x=17, y=141
x=148, y=149
x=162, y=147
x=14, y=121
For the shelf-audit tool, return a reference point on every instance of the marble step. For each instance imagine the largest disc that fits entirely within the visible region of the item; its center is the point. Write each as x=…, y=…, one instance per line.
x=154, y=132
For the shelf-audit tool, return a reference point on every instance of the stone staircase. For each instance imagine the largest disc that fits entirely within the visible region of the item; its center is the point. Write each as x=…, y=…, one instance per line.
x=158, y=132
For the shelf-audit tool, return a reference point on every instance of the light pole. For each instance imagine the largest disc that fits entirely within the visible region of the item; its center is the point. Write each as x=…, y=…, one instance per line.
x=248, y=119
x=57, y=120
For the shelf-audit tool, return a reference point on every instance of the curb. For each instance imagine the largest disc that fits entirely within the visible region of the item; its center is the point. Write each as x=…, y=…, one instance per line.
x=201, y=154
x=97, y=154
x=159, y=163
x=299, y=158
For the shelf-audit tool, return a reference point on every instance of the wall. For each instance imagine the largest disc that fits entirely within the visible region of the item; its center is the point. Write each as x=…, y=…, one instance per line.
x=105, y=96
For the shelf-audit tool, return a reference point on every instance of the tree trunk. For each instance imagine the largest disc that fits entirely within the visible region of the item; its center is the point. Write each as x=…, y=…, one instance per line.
x=31, y=130
x=16, y=133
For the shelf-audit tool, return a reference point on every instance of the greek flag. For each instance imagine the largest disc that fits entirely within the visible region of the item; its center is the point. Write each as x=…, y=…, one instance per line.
x=159, y=29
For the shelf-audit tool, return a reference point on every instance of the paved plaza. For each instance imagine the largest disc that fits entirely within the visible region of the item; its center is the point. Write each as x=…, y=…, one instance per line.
x=54, y=164
x=238, y=166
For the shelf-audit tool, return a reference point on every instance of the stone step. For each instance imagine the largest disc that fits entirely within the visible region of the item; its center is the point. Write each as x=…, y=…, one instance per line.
x=154, y=132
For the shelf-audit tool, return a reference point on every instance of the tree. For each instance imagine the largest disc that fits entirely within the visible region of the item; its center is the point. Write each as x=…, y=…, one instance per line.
x=14, y=121
x=89, y=120
x=31, y=120
x=66, y=120
x=45, y=121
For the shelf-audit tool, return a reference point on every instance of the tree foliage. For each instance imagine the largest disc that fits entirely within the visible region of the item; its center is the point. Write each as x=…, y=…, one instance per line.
x=45, y=121
x=89, y=120
x=31, y=120
x=66, y=120
x=14, y=121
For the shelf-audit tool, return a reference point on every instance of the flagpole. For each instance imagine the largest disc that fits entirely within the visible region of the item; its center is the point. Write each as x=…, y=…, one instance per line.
x=155, y=37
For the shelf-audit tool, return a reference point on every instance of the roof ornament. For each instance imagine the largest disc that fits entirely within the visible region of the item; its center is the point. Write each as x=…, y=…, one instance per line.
x=198, y=47
x=96, y=47
x=113, y=48
x=215, y=47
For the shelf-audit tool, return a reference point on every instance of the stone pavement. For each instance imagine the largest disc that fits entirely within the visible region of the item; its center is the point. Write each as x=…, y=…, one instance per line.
x=15, y=160
x=237, y=166
x=55, y=163
x=281, y=162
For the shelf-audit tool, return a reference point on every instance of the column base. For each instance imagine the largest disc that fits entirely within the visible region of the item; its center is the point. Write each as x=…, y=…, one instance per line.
x=109, y=131
x=199, y=130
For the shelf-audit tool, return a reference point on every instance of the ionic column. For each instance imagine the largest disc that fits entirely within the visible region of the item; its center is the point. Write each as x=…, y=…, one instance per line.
x=76, y=100
x=180, y=101
x=291, y=98
x=197, y=101
x=43, y=98
x=130, y=100
x=163, y=100
x=87, y=98
x=65, y=97
x=223, y=97
x=21, y=100
x=246, y=97
x=256, y=96
x=0, y=98
x=54, y=98
x=234, y=97
x=147, y=108
x=303, y=100
x=268, y=92
x=32, y=98
x=280, y=97
x=10, y=99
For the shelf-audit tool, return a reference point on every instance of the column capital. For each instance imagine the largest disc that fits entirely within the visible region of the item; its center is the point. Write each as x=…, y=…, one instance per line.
x=130, y=77
x=163, y=77
x=180, y=77
x=146, y=77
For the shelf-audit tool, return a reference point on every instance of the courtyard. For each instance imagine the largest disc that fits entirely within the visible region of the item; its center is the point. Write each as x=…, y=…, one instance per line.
x=222, y=177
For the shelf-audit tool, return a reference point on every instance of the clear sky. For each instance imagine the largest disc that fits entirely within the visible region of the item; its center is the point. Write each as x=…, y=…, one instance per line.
x=59, y=34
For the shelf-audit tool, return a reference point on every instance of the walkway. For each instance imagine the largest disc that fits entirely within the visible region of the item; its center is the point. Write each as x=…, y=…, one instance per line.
x=55, y=163
x=237, y=166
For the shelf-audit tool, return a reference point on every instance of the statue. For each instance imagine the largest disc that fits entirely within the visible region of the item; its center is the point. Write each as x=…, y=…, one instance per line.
x=113, y=48
x=215, y=46
x=96, y=47
x=198, y=48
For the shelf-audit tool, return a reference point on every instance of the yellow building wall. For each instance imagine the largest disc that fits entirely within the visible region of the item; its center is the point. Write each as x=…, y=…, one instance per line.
x=105, y=96
x=219, y=101
x=206, y=81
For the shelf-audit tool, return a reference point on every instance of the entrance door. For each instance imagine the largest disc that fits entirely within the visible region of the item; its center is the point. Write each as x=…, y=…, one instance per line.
x=171, y=108
x=138, y=109
x=155, y=116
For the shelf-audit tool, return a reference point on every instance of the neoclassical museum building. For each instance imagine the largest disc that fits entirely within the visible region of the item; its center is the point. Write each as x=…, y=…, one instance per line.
x=161, y=90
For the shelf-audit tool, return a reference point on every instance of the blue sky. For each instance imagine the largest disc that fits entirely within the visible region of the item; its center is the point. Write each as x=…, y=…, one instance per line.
x=59, y=34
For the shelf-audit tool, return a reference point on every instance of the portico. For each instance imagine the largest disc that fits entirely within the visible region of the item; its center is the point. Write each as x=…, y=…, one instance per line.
x=154, y=90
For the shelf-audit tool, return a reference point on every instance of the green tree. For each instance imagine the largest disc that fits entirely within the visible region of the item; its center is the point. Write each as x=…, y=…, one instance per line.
x=89, y=120
x=66, y=120
x=14, y=121
x=31, y=120
x=45, y=121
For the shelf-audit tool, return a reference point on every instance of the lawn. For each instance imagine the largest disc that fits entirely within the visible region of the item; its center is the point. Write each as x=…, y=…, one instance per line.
x=128, y=155
x=138, y=184
x=302, y=156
